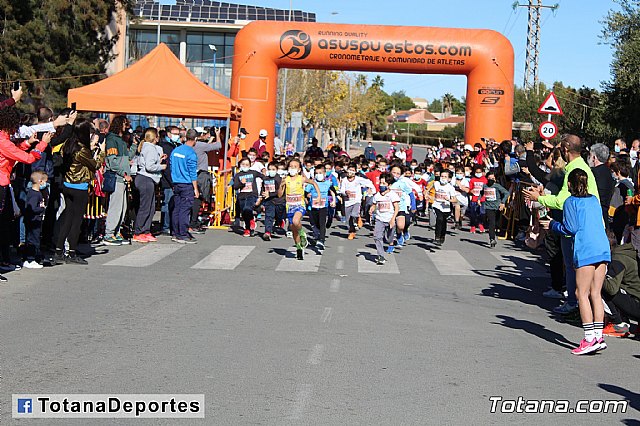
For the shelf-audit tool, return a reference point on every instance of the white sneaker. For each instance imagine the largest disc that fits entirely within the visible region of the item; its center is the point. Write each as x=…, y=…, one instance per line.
x=553, y=294
x=289, y=234
x=32, y=265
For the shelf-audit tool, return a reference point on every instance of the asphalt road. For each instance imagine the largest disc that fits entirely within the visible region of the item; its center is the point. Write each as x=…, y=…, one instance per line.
x=333, y=340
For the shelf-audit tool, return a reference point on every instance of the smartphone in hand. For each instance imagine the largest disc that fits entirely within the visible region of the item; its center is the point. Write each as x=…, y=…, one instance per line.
x=16, y=86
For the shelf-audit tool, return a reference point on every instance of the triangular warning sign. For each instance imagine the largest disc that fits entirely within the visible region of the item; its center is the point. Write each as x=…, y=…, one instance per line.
x=550, y=106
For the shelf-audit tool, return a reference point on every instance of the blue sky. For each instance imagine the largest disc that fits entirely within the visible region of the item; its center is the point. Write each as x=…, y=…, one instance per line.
x=571, y=49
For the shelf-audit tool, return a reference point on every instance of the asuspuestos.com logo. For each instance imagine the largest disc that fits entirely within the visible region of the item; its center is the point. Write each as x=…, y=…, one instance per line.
x=108, y=406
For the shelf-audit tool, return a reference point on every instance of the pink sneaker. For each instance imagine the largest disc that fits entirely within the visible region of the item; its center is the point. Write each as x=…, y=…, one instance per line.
x=150, y=238
x=481, y=228
x=586, y=347
x=140, y=238
x=473, y=230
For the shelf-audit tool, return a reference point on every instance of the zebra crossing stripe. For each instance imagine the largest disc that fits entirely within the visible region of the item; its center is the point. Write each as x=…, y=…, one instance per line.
x=145, y=256
x=367, y=263
x=224, y=257
x=289, y=263
x=451, y=263
x=524, y=265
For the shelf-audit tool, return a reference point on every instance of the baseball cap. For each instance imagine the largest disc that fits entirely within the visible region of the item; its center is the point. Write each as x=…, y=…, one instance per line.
x=243, y=131
x=468, y=147
x=263, y=133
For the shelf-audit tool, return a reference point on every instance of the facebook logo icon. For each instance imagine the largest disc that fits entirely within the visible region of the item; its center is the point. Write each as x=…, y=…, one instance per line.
x=24, y=405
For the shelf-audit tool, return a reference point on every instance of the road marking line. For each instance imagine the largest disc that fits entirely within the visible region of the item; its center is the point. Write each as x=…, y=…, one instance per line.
x=340, y=264
x=530, y=268
x=327, y=314
x=224, y=257
x=289, y=263
x=450, y=262
x=145, y=256
x=367, y=264
x=335, y=285
x=303, y=395
x=315, y=357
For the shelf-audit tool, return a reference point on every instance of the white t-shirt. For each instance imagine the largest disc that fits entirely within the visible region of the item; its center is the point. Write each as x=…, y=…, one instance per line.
x=463, y=198
x=384, y=205
x=277, y=146
x=353, y=189
x=444, y=193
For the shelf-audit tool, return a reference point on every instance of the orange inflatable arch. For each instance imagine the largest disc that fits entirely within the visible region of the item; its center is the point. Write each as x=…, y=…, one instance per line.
x=484, y=56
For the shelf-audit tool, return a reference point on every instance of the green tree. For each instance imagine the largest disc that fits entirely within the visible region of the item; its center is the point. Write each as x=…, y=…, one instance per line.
x=436, y=106
x=398, y=100
x=45, y=39
x=622, y=32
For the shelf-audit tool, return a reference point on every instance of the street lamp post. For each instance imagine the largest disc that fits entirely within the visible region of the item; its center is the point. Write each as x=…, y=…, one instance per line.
x=215, y=51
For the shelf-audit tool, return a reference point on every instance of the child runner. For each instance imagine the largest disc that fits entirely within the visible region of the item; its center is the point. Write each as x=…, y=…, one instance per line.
x=476, y=209
x=351, y=189
x=386, y=206
x=402, y=187
x=444, y=196
x=495, y=195
x=583, y=222
x=273, y=205
x=245, y=182
x=36, y=204
x=461, y=185
x=319, y=209
x=293, y=186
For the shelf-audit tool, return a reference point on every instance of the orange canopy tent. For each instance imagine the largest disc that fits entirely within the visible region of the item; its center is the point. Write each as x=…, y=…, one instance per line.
x=157, y=84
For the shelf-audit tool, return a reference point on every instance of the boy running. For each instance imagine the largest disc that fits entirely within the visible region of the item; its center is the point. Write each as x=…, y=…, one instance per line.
x=386, y=206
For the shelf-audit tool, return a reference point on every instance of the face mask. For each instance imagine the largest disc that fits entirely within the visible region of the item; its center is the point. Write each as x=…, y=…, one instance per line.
x=243, y=136
x=44, y=185
x=175, y=138
x=616, y=148
x=633, y=154
x=459, y=176
x=272, y=173
x=282, y=173
x=444, y=181
x=614, y=177
x=370, y=145
x=383, y=188
x=328, y=173
x=478, y=175
x=252, y=158
x=319, y=177
x=490, y=182
x=244, y=169
x=414, y=167
x=293, y=172
x=467, y=174
x=351, y=173
x=417, y=177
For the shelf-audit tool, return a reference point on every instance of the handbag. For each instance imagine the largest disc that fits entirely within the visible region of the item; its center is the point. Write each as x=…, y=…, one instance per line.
x=109, y=183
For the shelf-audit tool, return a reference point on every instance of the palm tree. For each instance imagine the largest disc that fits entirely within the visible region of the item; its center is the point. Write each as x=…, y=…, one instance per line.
x=378, y=82
x=447, y=103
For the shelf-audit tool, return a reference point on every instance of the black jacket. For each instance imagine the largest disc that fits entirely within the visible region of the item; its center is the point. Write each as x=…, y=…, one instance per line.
x=605, y=183
x=165, y=180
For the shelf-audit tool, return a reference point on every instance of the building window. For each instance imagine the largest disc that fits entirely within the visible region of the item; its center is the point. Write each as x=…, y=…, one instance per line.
x=142, y=42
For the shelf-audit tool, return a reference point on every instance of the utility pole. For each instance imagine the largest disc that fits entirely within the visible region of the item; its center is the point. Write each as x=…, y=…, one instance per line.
x=531, y=80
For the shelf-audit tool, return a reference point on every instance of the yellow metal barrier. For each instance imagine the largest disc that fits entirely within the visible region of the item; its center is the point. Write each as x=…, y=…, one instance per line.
x=224, y=200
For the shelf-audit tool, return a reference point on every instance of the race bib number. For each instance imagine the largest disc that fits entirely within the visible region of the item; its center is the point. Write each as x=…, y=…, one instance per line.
x=248, y=187
x=384, y=206
x=294, y=200
x=319, y=204
x=270, y=187
x=490, y=194
x=351, y=195
x=441, y=196
x=398, y=192
x=477, y=189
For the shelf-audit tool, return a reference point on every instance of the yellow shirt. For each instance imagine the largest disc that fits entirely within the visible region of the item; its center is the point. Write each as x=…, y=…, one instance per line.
x=295, y=190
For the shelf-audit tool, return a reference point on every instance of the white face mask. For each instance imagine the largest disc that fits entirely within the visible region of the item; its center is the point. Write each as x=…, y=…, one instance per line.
x=282, y=173
x=175, y=138
x=351, y=173
x=633, y=154
x=478, y=175
x=244, y=169
x=293, y=172
x=243, y=136
x=444, y=181
x=459, y=176
x=319, y=177
x=417, y=177
x=272, y=173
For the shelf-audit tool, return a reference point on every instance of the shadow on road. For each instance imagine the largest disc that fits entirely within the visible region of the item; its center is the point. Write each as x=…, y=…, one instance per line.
x=632, y=397
x=536, y=330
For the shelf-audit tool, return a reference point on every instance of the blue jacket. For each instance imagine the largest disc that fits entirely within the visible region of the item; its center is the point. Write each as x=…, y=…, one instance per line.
x=583, y=221
x=184, y=165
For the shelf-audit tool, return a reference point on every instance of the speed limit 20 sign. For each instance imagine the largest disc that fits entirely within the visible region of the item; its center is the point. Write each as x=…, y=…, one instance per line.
x=548, y=130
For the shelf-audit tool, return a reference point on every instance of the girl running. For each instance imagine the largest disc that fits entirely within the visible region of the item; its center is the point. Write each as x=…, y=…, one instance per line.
x=245, y=181
x=583, y=222
x=293, y=186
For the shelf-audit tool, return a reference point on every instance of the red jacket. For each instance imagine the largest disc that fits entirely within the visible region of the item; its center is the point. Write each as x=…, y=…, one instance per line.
x=260, y=146
x=10, y=154
x=374, y=176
